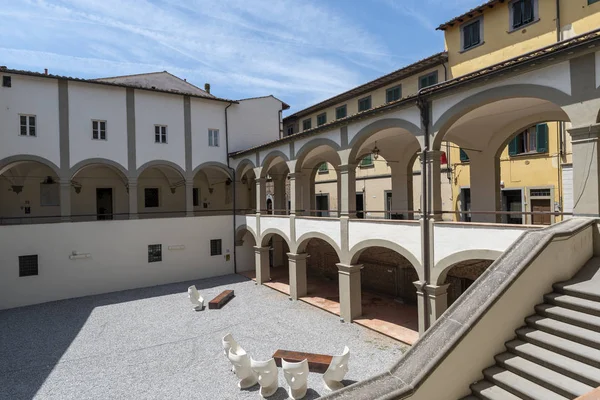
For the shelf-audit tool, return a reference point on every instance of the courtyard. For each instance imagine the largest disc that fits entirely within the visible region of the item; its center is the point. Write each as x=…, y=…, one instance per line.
x=149, y=343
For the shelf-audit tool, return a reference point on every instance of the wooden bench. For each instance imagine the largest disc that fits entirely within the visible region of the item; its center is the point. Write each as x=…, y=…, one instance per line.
x=220, y=300
x=316, y=362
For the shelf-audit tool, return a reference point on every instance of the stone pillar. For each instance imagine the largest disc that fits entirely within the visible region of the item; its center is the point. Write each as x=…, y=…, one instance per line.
x=189, y=198
x=434, y=183
x=65, y=200
x=586, y=170
x=421, y=306
x=485, y=186
x=263, y=272
x=338, y=187
x=298, y=280
x=402, y=190
x=437, y=301
x=279, y=194
x=295, y=193
x=132, y=189
x=261, y=195
x=347, y=182
x=350, y=291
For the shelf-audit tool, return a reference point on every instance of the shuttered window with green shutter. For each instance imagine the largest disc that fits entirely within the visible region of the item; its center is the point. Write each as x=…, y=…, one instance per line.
x=532, y=140
x=464, y=157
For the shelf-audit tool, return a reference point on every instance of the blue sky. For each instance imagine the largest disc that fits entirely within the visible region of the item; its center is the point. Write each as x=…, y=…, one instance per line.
x=301, y=51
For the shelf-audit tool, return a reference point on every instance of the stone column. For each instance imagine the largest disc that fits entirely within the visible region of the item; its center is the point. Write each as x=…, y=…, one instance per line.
x=65, y=200
x=132, y=189
x=347, y=182
x=350, y=291
x=485, y=186
x=338, y=187
x=586, y=170
x=420, y=285
x=298, y=280
x=402, y=189
x=261, y=195
x=434, y=183
x=189, y=198
x=437, y=298
x=263, y=272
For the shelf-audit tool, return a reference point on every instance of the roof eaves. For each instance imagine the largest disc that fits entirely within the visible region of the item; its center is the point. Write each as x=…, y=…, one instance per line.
x=469, y=14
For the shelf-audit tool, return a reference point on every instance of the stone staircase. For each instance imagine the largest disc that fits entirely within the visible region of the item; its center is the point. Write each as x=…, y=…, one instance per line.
x=556, y=355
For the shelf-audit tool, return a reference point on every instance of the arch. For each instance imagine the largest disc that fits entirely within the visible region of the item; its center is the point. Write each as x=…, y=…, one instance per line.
x=243, y=166
x=241, y=230
x=598, y=117
x=213, y=164
x=120, y=169
x=160, y=163
x=304, y=239
x=8, y=162
x=272, y=155
x=358, y=248
x=443, y=266
x=380, y=125
x=445, y=121
x=313, y=144
x=515, y=128
x=266, y=235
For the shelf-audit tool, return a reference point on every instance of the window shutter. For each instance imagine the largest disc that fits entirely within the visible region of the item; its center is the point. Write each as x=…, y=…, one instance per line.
x=517, y=13
x=527, y=11
x=475, y=33
x=542, y=138
x=467, y=37
x=513, y=146
x=463, y=156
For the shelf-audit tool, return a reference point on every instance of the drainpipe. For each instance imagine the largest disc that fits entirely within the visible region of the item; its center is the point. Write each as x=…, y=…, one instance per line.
x=561, y=124
x=233, y=183
x=558, y=27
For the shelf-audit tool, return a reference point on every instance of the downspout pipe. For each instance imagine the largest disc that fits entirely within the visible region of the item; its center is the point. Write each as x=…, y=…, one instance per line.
x=558, y=27
x=233, y=183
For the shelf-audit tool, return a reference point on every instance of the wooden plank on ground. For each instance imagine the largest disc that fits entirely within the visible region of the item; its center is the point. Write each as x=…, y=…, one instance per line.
x=220, y=300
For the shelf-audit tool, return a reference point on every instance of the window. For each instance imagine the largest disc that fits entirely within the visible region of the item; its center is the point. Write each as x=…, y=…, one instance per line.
x=151, y=197
x=215, y=247
x=28, y=265
x=290, y=130
x=321, y=119
x=6, y=81
x=393, y=94
x=364, y=104
x=464, y=157
x=323, y=168
x=28, y=125
x=306, y=124
x=154, y=253
x=160, y=134
x=428, y=80
x=213, y=138
x=471, y=34
x=341, y=112
x=539, y=193
x=522, y=12
x=195, y=197
x=367, y=161
x=98, y=130
x=532, y=140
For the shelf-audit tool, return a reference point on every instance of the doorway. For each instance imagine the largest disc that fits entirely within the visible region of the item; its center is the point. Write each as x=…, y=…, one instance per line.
x=512, y=200
x=104, y=204
x=322, y=204
x=388, y=206
x=541, y=205
x=465, y=196
x=360, y=205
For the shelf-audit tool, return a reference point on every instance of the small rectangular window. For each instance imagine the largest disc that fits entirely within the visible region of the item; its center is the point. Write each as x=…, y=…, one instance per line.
x=393, y=94
x=28, y=265
x=6, y=81
x=290, y=130
x=471, y=34
x=151, y=197
x=27, y=125
x=98, y=130
x=522, y=13
x=154, y=253
x=364, y=104
x=321, y=119
x=341, y=112
x=195, y=197
x=160, y=134
x=367, y=161
x=324, y=168
x=215, y=247
x=213, y=138
x=539, y=193
x=428, y=80
x=306, y=124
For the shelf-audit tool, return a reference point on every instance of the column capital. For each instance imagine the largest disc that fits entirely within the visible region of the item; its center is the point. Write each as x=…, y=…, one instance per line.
x=260, y=180
x=298, y=256
x=432, y=155
x=347, y=269
x=345, y=168
x=132, y=181
x=189, y=182
x=296, y=175
x=584, y=133
x=420, y=285
x=258, y=249
x=434, y=291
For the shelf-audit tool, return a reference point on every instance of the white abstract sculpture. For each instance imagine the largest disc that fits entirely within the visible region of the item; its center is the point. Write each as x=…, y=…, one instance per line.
x=267, y=376
x=296, y=376
x=195, y=298
x=229, y=343
x=241, y=367
x=337, y=370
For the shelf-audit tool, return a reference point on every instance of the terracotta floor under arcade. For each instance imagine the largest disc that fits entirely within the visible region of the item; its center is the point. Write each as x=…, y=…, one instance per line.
x=380, y=313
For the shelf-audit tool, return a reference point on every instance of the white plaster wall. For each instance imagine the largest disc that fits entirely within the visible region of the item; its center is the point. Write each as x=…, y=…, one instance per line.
x=333, y=135
x=205, y=115
x=410, y=114
x=245, y=254
x=35, y=96
x=453, y=238
x=405, y=234
x=253, y=122
x=556, y=76
x=279, y=223
x=251, y=224
x=88, y=102
x=330, y=228
x=159, y=109
x=118, y=256
x=284, y=148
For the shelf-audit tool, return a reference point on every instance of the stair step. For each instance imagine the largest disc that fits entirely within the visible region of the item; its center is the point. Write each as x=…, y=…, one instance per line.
x=569, y=316
x=470, y=397
x=583, y=290
x=559, y=345
x=574, y=303
x=519, y=386
x=563, y=365
x=488, y=391
x=567, y=331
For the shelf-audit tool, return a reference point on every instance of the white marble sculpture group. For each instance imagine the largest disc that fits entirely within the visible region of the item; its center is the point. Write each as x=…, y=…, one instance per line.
x=195, y=298
x=265, y=373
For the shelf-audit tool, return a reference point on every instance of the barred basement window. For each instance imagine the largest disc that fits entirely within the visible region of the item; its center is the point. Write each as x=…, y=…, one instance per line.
x=28, y=265
x=215, y=247
x=154, y=253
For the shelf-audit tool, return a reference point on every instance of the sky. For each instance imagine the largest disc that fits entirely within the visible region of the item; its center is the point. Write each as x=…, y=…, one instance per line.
x=300, y=51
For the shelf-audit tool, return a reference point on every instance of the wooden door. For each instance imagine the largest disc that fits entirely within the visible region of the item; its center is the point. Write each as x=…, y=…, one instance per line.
x=541, y=206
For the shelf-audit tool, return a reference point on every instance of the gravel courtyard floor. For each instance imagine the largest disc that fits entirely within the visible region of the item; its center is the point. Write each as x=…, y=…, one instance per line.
x=149, y=344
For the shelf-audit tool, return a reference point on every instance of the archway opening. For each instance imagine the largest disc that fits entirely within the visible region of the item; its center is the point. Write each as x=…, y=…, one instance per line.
x=322, y=274
x=245, y=190
x=212, y=191
x=161, y=192
x=276, y=173
x=278, y=262
x=462, y=275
